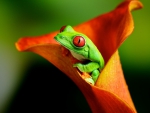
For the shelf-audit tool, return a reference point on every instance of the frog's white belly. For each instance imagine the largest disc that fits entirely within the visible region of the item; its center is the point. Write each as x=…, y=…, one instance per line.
x=77, y=56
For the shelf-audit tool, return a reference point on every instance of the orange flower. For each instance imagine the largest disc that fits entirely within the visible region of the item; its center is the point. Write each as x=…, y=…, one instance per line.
x=110, y=94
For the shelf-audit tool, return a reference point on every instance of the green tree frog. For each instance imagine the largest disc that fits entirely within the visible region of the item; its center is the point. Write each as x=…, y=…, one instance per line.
x=82, y=49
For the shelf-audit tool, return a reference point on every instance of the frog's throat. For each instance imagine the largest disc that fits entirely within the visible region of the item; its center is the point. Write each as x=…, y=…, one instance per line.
x=77, y=56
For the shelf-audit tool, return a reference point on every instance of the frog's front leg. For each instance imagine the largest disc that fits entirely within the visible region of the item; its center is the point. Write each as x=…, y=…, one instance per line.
x=91, y=67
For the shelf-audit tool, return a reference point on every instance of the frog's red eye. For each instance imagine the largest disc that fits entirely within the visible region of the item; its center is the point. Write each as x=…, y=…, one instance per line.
x=79, y=41
x=62, y=28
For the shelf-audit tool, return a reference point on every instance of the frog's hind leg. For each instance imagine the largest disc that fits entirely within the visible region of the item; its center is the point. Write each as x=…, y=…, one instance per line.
x=95, y=75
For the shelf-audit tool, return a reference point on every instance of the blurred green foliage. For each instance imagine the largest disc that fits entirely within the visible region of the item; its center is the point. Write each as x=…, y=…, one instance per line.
x=38, y=17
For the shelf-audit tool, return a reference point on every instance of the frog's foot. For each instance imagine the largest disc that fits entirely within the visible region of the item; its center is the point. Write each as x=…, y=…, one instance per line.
x=87, y=77
x=90, y=81
x=93, y=78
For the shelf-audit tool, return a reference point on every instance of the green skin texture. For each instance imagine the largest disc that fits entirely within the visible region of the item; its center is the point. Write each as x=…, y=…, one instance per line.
x=88, y=52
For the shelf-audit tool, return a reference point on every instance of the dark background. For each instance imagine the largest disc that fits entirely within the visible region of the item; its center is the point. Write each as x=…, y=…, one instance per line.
x=29, y=83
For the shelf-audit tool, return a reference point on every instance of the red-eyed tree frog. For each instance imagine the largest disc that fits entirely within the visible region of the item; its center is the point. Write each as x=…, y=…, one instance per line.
x=83, y=49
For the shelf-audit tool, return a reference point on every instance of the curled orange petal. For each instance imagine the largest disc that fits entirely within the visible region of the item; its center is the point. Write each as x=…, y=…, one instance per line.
x=108, y=31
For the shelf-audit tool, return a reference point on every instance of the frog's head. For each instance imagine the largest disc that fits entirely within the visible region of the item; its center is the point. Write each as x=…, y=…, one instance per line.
x=72, y=40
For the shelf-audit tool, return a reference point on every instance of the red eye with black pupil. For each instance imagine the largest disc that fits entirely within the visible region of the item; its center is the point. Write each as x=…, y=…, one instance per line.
x=62, y=28
x=79, y=41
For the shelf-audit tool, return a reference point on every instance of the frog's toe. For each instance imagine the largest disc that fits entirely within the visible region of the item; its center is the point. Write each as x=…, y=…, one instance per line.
x=75, y=65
